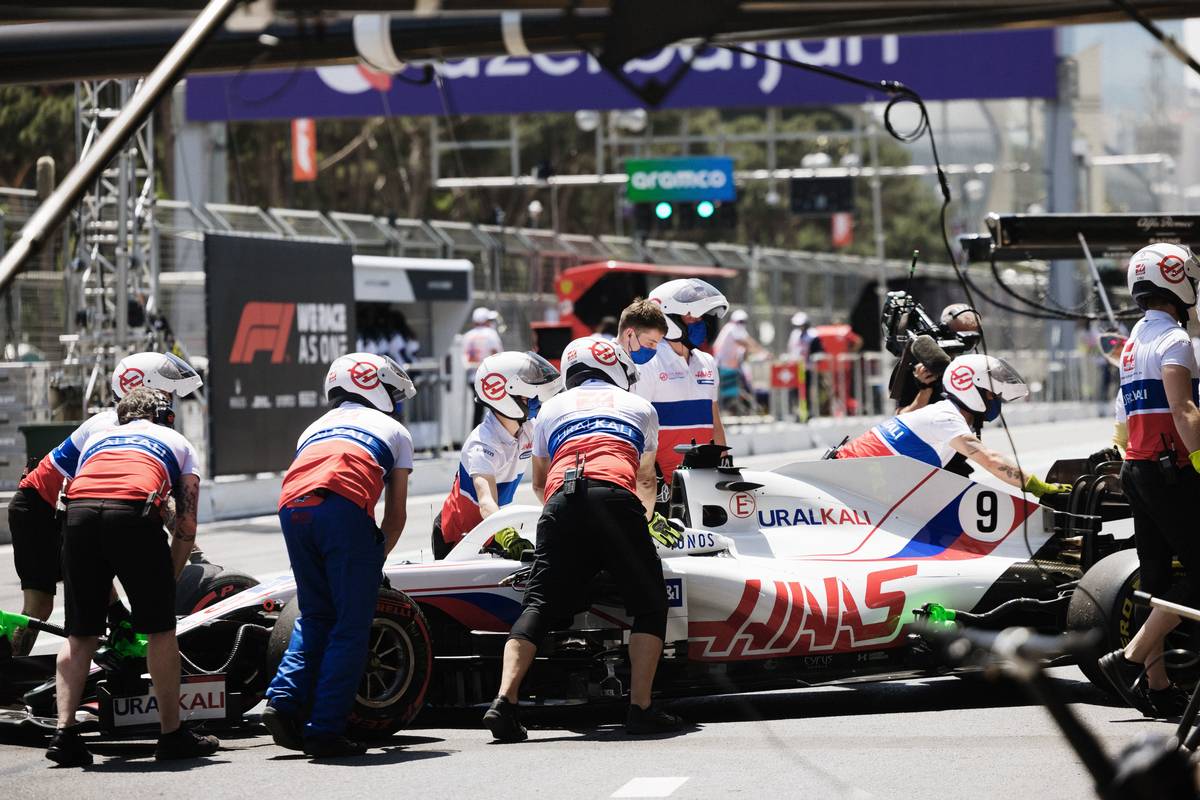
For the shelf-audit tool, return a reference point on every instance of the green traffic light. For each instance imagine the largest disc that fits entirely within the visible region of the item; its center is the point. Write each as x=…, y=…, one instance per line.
x=663, y=210
x=705, y=209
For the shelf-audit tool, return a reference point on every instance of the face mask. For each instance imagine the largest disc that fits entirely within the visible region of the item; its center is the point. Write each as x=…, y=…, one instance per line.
x=639, y=354
x=697, y=333
x=534, y=406
x=991, y=409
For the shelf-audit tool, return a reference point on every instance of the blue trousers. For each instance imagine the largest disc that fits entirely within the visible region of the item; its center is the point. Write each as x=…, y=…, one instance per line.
x=336, y=552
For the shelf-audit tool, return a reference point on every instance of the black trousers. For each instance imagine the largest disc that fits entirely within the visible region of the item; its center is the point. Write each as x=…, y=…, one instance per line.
x=1165, y=527
x=576, y=538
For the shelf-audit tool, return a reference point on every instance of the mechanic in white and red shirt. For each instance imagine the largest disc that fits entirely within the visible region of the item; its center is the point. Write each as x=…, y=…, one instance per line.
x=976, y=386
x=36, y=532
x=114, y=530
x=344, y=462
x=597, y=442
x=681, y=381
x=512, y=386
x=1162, y=458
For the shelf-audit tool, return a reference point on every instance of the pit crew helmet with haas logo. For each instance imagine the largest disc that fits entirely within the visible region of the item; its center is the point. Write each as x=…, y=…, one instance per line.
x=690, y=297
x=374, y=381
x=982, y=384
x=516, y=384
x=597, y=357
x=1166, y=272
x=162, y=371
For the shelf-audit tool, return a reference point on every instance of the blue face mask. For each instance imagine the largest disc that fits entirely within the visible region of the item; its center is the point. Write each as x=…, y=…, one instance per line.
x=532, y=409
x=640, y=355
x=697, y=333
x=991, y=409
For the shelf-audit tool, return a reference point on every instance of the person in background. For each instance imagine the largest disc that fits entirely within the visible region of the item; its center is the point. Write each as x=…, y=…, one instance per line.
x=733, y=344
x=799, y=345
x=344, y=461
x=607, y=328
x=680, y=378
x=402, y=345
x=512, y=386
x=955, y=318
x=114, y=529
x=479, y=342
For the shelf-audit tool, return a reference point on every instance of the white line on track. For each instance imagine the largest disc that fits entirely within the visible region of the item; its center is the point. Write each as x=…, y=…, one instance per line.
x=649, y=787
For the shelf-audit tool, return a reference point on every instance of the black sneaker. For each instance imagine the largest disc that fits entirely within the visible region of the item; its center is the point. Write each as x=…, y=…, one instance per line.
x=640, y=721
x=66, y=749
x=1125, y=677
x=502, y=720
x=332, y=746
x=285, y=729
x=182, y=743
x=1170, y=702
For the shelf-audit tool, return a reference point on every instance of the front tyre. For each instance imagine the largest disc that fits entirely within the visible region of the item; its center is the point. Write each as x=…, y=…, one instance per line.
x=399, y=665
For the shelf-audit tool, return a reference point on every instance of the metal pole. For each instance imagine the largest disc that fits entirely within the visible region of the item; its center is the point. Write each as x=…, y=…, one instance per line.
x=877, y=215
x=121, y=284
x=159, y=82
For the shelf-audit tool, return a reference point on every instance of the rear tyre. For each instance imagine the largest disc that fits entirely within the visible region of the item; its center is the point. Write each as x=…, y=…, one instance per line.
x=203, y=584
x=1103, y=601
x=399, y=665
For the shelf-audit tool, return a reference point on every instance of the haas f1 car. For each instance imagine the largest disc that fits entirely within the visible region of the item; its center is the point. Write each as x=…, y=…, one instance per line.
x=813, y=573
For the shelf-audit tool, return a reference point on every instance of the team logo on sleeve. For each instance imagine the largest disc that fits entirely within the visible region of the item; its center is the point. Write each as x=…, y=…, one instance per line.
x=364, y=375
x=493, y=386
x=604, y=353
x=130, y=379
x=962, y=377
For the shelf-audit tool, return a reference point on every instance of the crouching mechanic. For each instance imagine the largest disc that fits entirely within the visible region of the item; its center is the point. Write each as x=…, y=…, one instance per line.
x=343, y=463
x=36, y=530
x=976, y=387
x=599, y=441
x=680, y=381
x=115, y=529
x=1158, y=404
x=512, y=386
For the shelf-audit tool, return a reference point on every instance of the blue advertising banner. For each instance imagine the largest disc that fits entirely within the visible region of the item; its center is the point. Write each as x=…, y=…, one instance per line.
x=987, y=65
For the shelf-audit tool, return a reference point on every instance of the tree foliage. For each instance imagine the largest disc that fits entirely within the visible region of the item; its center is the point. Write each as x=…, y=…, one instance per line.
x=35, y=121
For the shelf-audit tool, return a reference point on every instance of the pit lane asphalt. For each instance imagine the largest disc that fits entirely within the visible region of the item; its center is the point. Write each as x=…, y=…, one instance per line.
x=943, y=737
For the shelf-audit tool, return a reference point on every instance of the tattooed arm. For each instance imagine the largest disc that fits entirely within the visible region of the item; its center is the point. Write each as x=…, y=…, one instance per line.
x=183, y=535
x=995, y=463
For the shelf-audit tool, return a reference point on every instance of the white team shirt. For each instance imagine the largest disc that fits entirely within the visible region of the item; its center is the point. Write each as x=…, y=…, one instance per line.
x=924, y=434
x=1156, y=341
x=488, y=450
x=682, y=391
x=480, y=342
x=65, y=457
x=729, y=347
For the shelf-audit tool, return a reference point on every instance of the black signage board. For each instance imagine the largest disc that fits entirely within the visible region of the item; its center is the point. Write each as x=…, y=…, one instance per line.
x=278, y=313
x=1017, y=237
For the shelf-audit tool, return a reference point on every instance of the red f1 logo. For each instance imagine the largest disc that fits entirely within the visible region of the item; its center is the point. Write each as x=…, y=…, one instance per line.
x=264, y=326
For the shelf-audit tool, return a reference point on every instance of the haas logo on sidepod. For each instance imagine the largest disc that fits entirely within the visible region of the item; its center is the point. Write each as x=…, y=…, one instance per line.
x=798, y=619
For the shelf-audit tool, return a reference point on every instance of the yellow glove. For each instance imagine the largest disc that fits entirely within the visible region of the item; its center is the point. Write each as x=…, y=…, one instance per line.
x=663, y=531
x=1194, y=457
x=512, y=542
x=1038, y=487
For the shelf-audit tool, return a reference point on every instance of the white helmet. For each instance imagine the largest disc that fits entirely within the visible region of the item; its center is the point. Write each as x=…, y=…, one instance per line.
x=597, y=357
x=162, y=371
x=1166, y=271
x=799, y=319
x=969, y=377
x=481, y=315
x=515, y=384
x=739, y=316
x=372, y=380
x=688, y=297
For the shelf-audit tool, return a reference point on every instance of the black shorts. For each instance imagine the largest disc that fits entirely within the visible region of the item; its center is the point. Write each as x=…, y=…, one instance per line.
x=1164, y=528
x=108, y=539
x=578, y=537
x=36, y=541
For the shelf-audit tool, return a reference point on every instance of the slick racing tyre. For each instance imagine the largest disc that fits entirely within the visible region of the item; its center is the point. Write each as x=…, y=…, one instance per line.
x=399, y=665
x=1103, y=601
x=201, y=584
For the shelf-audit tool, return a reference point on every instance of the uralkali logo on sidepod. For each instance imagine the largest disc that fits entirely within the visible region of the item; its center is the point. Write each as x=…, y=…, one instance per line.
x=200, y=697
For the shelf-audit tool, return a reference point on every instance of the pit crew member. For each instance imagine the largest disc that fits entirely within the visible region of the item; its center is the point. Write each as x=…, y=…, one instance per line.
x=36, y=532
x=1158, y=395
x=512, y=386
x=641, y=330
x=681, y=381
x=597, y=441
x=114, y=530
x=976, y=388
x=344, y=461
x=481, y=341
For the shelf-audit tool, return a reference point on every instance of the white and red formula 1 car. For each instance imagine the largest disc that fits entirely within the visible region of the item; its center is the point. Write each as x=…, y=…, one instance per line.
x=809, y=574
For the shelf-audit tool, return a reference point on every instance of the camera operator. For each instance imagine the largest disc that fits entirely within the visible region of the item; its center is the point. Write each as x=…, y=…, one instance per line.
x=1158, y=379
x=924, y=349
